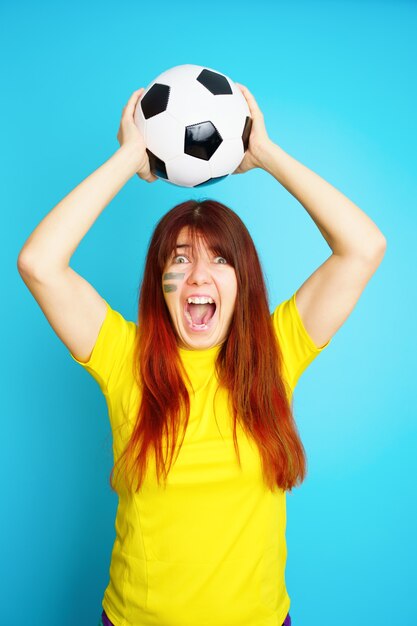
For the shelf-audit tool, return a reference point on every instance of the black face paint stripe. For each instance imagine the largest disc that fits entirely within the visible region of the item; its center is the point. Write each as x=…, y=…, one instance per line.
x=168, y=288
x=173, y=275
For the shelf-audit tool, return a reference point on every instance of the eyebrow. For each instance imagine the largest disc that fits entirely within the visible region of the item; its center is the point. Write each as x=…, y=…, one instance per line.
x=183, y=245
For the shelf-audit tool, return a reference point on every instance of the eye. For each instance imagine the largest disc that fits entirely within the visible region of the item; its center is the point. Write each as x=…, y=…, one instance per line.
x=222, y=260
x=180, y=256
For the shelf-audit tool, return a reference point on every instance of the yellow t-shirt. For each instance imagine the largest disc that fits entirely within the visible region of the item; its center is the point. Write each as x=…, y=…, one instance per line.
x=210, y=549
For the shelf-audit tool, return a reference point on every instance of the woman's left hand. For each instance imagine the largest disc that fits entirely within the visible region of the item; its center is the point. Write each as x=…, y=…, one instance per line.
x=259, y=140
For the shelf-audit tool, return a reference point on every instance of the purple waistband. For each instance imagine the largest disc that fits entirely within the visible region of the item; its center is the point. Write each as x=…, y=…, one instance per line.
x=105, y=620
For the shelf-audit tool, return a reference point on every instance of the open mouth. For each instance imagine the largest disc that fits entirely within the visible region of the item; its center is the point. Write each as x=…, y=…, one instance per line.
x=199, y=316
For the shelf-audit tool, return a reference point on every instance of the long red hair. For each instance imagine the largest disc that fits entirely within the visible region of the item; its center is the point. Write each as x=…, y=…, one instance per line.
x=249, y=363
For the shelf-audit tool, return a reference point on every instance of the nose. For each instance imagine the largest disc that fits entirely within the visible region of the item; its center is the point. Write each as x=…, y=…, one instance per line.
x=199, y=274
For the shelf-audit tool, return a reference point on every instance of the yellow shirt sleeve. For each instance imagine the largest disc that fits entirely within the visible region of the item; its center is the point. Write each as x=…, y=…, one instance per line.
x=298, y=348
x=109, y=357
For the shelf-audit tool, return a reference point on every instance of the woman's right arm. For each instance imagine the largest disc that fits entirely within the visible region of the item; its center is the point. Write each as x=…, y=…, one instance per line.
x=72, y=306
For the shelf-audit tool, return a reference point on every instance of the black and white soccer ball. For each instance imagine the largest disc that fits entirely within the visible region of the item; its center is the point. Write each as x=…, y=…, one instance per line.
x=196, y=125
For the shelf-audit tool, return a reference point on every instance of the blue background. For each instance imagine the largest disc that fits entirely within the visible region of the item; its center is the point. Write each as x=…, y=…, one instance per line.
x=336, y=84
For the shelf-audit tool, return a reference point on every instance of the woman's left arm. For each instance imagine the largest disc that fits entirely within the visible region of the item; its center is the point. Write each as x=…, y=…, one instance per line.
x=328, y=296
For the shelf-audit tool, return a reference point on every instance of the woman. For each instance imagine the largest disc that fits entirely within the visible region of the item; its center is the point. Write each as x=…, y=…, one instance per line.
x=200, y=538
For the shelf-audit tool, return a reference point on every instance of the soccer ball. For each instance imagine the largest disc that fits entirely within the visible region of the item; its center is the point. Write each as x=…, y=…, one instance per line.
x=195, y=123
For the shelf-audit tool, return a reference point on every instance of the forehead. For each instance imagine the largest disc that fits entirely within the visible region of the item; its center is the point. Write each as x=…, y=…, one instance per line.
x=187, y=238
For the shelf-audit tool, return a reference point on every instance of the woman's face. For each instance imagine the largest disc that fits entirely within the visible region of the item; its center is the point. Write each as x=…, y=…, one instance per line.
x=195, y=273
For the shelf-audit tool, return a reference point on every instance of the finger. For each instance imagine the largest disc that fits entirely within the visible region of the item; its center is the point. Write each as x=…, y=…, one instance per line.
x=147, y=175
x=131, y=103
x=250, y=99
x=253, y=105
x=149, y=179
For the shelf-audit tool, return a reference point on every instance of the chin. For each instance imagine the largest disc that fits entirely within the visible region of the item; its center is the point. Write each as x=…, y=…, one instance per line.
x=200, y=343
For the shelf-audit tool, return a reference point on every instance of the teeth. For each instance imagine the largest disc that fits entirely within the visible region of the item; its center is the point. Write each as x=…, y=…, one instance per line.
x=202, y=300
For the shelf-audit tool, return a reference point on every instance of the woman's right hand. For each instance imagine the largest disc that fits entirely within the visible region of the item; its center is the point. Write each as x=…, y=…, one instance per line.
x=129, y=134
